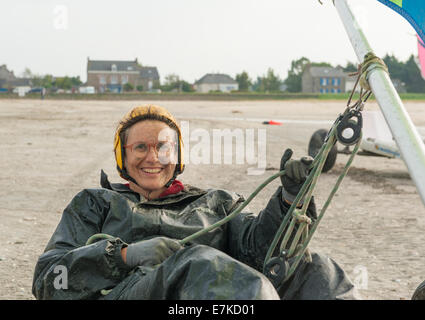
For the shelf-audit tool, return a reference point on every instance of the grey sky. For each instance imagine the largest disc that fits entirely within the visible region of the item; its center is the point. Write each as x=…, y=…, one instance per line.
x=190, y=37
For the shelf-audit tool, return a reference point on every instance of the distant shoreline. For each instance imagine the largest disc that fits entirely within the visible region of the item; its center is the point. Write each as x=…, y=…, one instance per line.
x=200, y=96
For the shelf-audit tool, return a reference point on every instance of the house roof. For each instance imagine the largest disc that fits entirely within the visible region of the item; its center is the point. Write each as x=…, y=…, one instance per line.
x=5, y=73
x=149, y=73
x=326, y=72
x=106, y=65
x=214, y=78
x=21, y=82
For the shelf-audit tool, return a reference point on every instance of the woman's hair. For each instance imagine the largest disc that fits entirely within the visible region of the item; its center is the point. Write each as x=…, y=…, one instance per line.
x=128, y=123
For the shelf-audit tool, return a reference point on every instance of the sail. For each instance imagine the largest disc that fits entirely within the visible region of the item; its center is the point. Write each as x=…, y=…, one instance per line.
x=413, y=11
x=421, y=56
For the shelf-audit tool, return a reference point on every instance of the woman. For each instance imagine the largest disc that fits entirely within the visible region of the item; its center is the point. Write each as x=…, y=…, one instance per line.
x=142, y=258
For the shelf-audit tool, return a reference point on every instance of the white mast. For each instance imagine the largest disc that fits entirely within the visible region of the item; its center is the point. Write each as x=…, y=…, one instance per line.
x=403, y=130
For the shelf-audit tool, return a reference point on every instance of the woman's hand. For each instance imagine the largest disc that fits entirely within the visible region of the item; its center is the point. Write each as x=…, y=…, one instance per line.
x=150, y=252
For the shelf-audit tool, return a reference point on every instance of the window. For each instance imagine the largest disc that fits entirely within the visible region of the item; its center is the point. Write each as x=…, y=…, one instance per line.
x=124, y=79
x=114, y=67
x=323, y=81
x=102, y=79
x=336, y=81
x=114, y=79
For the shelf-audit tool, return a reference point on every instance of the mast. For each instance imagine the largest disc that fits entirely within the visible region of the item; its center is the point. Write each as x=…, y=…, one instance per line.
x=409, y=142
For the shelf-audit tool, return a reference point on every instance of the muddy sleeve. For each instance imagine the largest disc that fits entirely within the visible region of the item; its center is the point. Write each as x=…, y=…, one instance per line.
x=70, y=269
x=250, y=235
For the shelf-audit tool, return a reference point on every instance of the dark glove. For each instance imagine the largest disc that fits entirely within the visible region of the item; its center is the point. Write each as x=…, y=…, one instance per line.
x=296, y=172
x=151, y=252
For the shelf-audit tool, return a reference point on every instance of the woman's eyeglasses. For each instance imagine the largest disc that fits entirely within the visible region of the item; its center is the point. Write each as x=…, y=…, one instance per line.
x=141, y=149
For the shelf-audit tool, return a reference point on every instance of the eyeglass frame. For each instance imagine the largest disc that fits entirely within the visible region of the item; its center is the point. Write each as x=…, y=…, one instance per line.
x=150, y=145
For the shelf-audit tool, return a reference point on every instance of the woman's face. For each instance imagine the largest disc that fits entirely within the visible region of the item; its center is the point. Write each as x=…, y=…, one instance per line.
x=150, y=154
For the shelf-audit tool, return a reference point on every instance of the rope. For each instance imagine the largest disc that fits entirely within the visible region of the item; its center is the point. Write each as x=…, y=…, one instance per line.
x=235, y=212
x=298, y=217
x=296, y=220
x=97, y=237
x=370, y=63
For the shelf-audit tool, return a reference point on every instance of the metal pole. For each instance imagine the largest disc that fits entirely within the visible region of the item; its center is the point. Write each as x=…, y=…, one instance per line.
x=409, y=142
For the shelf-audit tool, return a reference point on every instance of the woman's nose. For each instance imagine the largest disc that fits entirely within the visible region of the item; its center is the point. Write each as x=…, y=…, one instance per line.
x=152, y=154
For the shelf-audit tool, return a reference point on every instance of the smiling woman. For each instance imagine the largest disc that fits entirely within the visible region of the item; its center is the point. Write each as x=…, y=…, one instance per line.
x=138, y=226
x=149, y=173
x=148, y=157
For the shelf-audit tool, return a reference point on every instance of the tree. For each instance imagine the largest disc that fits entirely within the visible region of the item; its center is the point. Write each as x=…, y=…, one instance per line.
x=128, y=87
x=395, y=67
x=268, y=83
x=413, y=79
x=349, y=67
x=174, y=83
x=243, y=81
x=407, y=72
x=293, y=80
x=27, y=74
x=63, y=83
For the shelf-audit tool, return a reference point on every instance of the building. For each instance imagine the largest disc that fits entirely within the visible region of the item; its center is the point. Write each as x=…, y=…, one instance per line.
x=113, y=75
x=323, y=80
x=9, y=81
x=6, y=76
x=216, y=82
x=148, y=77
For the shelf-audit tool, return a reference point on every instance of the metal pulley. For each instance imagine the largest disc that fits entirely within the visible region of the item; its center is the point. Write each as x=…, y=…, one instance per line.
x=277, y=269
x=348, y=131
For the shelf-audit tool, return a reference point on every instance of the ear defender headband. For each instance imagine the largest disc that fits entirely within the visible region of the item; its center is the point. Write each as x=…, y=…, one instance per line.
x=151, y=112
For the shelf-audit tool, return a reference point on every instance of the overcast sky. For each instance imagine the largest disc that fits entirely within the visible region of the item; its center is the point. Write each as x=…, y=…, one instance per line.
x=191, y=37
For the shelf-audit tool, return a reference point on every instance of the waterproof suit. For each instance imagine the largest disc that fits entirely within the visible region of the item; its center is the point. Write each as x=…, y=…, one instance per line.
x=225, y=263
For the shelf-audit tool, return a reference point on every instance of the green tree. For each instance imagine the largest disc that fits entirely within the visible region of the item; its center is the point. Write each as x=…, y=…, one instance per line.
x=349, y=67
x=413, y=79
x=47, y=81
x=268, y=83
x=128, y=87
x=63, y=83
x=243, y=80
x=174, y=83
x=396, y=68
x=76, y=81
x=293, y=80
x=186, y=86
x=407, y=72
x=295, y=73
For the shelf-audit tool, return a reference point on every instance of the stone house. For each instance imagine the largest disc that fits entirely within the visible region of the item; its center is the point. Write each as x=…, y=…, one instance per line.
x=323, y=80
x=10, y=81
x=216, y=82
x=6, y=76
x=112, y=75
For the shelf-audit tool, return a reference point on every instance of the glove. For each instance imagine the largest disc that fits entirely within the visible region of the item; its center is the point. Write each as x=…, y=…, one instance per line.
x=296, y=172
x=151, y=252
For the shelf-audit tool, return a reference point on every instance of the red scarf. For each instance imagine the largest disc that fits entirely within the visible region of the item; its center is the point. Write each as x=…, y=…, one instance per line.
x=175, y=187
